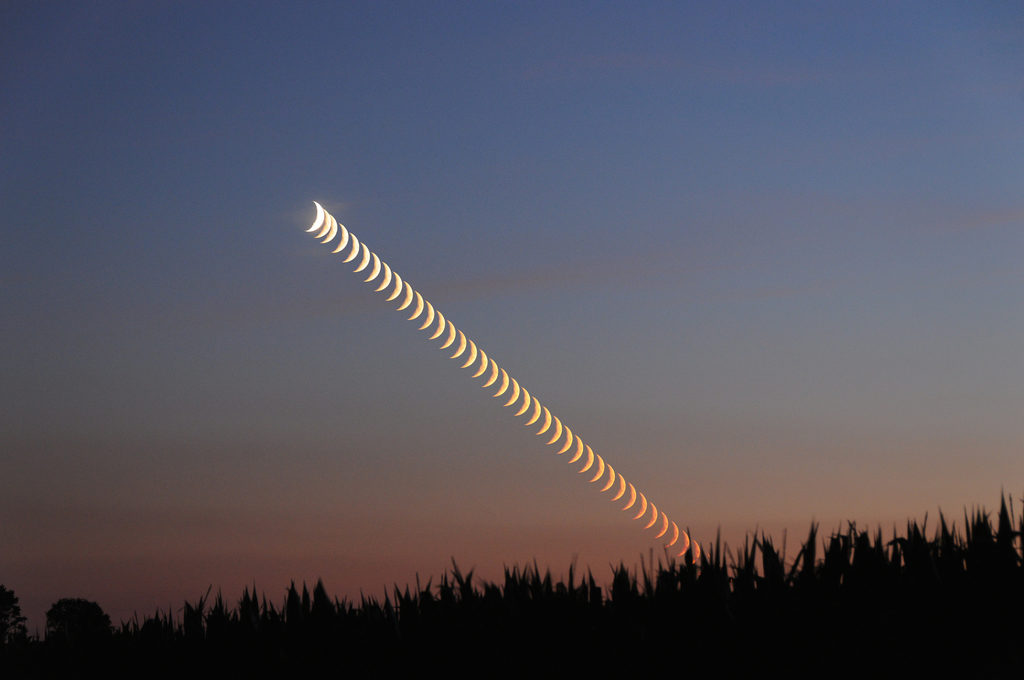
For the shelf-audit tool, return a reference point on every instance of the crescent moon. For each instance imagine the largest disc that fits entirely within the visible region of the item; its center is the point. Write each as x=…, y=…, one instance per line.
x=675, y=535
x=364, y=261
x=374, y=270
x=461, y=347
x=568, y=442
x=398, y=288
x=525, y=405
x=472, y=355
x=344, y=239
x=686, y=544
x=696, y=551
x=664, y=526
x=611, y=479
x=558, y=432
x=535, y=415
x=600, y=470
x=547, y=422
x=319, y=218
x=440, y=327
x=332, y=230
x=622, y=489
x=386, y=281
x=654, y=517
x=503, y=385
x=632, y=498
x=515, y=394
x=643, y=507
x=418, y=309
x=355, y=249
x=494, y=374
x=407, y=299
x=451, y=336
x=483, y=365
x=590, y=460
x=430, y=316
x=579, y=451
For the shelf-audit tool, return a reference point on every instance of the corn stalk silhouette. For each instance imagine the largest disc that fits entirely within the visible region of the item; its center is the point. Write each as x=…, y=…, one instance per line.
x=326, y=227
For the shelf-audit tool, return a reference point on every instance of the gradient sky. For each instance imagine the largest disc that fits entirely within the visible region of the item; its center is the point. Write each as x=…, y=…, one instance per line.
x=767, y=260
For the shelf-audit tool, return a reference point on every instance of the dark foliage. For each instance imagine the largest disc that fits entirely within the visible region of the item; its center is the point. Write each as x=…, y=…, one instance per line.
x=909, y=606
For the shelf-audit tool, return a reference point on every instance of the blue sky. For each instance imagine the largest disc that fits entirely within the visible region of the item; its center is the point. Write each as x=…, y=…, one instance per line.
x=767, y=259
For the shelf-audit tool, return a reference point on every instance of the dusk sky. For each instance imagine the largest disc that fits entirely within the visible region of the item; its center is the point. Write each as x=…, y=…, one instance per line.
x=766, y=258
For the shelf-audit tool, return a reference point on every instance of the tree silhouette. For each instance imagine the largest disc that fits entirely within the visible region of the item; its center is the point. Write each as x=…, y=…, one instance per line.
x=12, y=623
x=76, y=621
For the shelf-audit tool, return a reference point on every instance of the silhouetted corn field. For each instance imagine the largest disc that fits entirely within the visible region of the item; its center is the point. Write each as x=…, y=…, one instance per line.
x=866, y=605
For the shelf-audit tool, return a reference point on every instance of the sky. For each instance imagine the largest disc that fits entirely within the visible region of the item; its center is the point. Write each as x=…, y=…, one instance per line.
x=766, y=258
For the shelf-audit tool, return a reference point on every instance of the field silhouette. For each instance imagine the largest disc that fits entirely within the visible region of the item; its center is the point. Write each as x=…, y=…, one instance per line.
x=864, y=606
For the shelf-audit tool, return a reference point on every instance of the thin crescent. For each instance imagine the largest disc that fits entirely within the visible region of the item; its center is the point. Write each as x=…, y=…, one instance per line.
x=664, y=527
x=515, y=394
x=430, y=316
x=654, y=517
x=696, y=551
x=461, y=346
x=386, y=281
x=611, y=479
x=483, y=365
x=547, y=422
x=440, y=326
x=579, y=450
x=503, y=385
x=600, y=470
x=319, y=218
x=324, y=227
x=643, y=507
x=451, y=336
x=526, y=404
x=472, y=355
x=418, y=309
x=332, y=230
x=622, y=489
x=374, y=270
x=355, y=249
x=536, y=414
x=407, y=299
x=364, y=261
x=558, y=432
x=632, y=498
x=344, y=239
x=494, y=374
x=568, y=441
x=398, y=288
x=590, y=460
x=686, y=543
x=675, y=535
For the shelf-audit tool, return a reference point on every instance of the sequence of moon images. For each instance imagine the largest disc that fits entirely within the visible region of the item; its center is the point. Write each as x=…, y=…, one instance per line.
x=523, y=404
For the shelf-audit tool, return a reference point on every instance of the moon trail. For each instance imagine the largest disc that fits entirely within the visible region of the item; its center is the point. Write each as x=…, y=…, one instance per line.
x=325, y=228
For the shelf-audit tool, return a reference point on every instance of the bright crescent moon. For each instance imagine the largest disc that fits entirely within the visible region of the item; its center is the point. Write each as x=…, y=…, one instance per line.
x=600, y=470
x=568, y=441
x=696, y=551
x=483, y=365
x=374, y=270
x=611, y=479
x=664, y=527
x=654, y=517
x=632, y=498
x=547, y=422
x=472, y=355
x=494, y=374
x=622, y=489
x=386, y=280
x=324, y=228
x=355, y=249
x=344, y=239
x=319, y=218
x=418, y=309
x=675, y=535
x=398, y=288
x=503, y=385
x=686, y=543
x=332, y=230
x=440, y=326
x=461, y=346
x=364, y=261
x=579, y=451
x=430, y=316
x=526, y=404
x=451, y=336
x=535, y=415
x=558, y=432
x=515, y=394
x=590, y=460
x=643, y=507
x=407, y=300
